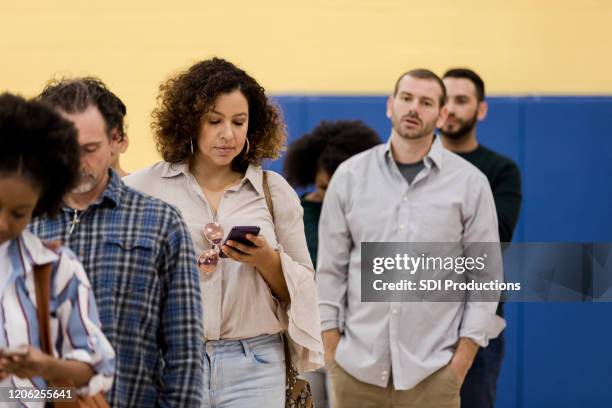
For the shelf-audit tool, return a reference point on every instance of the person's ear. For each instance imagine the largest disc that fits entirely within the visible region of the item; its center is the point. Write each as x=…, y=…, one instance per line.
x=483, y=109
x=124, y=144
x=115, y=141
x=389, y=106
x=442, y=117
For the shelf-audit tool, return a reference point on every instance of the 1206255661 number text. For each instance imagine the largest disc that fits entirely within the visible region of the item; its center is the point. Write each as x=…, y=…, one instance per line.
x=32, y=394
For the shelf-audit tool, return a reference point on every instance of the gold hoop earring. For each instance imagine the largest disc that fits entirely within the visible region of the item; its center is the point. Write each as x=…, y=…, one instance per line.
x=191, y=144
x=248, y=146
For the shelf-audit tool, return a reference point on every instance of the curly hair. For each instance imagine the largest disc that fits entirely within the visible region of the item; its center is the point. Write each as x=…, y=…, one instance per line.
x=75, y=95
x=326, y=147
x=186, y=97
x=40, y=145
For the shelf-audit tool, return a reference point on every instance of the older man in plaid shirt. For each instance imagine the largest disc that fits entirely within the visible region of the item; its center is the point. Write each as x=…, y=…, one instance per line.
x=138, y=255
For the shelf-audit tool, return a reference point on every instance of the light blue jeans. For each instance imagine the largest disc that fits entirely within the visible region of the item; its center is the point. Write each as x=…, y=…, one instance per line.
x=245, y=373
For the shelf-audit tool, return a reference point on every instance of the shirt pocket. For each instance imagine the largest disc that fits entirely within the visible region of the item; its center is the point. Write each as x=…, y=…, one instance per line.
x=133, y=283
x=137, y=266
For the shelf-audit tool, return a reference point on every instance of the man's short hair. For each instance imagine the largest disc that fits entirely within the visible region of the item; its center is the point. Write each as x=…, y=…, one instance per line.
x=422, y=73
x=471, y=76
x=75, y=95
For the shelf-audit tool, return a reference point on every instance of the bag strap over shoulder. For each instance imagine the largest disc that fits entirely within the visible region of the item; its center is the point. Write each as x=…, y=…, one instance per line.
x=42, y=285
x=268, y=195
x=266, y=187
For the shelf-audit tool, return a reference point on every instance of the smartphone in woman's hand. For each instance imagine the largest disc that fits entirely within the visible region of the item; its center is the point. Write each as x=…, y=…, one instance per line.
x=238, y=234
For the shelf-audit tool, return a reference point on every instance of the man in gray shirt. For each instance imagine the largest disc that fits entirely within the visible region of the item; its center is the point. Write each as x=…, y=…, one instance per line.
x=402, y=354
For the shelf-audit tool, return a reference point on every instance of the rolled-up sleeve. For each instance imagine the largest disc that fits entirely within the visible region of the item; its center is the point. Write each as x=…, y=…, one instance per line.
x=81, y=334
x=335, y=244
x=480, y=322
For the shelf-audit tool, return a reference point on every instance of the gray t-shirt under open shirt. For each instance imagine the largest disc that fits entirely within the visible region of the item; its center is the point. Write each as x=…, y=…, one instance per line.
x=410, y=171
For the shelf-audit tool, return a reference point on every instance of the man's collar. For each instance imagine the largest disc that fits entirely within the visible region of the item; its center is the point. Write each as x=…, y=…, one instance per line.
x=433, y=156
x=111, y=196
x=435, y=152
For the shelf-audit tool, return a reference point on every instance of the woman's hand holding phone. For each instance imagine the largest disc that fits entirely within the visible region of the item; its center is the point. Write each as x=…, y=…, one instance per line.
x=260, y=255
x=254, y=250
x=238, y=234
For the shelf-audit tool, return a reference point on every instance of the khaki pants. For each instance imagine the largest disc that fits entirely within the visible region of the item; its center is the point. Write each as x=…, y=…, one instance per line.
x=439, y=390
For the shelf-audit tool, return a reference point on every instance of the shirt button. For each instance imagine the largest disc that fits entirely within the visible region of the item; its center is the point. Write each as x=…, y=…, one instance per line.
x=394, y=311
x=406, y=198
x=402, y=226
x=384, y=373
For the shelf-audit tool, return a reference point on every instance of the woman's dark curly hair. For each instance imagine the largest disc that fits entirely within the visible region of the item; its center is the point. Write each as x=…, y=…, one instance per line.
x=184, y=98
x=41, y=146
x=325, y=147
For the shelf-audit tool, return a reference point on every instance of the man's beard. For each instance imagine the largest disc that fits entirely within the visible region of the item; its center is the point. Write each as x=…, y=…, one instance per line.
x=464, y=129
x=87, y=182
x=413, y=134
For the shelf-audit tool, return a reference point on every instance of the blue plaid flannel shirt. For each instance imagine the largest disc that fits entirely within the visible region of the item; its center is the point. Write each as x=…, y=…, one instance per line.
x=140, y=260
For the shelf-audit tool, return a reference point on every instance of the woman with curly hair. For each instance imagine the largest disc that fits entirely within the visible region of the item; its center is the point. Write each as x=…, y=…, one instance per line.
x=313, y=159
x=213, y=127
x=39, y=163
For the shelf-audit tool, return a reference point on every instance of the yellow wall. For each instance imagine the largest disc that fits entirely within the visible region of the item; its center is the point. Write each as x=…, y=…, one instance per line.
x=312, y=46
